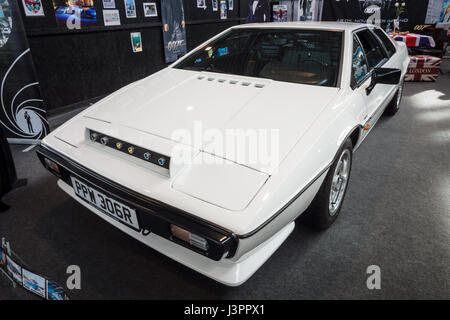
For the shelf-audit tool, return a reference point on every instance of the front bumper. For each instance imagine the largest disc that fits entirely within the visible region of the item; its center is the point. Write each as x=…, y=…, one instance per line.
x=154, y=217
x=225, y=271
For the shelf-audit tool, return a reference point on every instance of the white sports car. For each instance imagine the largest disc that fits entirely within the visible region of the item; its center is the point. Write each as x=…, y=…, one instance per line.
x=211, y=160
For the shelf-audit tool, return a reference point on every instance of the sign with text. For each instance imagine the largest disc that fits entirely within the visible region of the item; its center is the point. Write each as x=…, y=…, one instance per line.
x=174, y=29
x=22, y=112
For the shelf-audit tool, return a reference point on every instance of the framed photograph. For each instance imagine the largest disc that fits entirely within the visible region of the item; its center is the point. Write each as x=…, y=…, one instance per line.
x=223, y=9
x=34, y=283
x=136, y=41
x=130, y=8
x=54, y=292
x=109, y=4
x=111, y=17
x=230, y=4
x=150, y=9
x=201, y=4
x=215, y=5
x=2, y=257
x=14, y=270
x=33, y=8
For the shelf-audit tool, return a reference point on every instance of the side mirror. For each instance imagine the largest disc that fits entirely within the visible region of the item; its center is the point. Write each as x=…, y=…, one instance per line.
x=384, y=76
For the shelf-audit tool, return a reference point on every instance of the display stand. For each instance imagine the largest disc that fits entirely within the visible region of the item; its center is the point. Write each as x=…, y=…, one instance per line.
x=19, y=273
x=5, y=246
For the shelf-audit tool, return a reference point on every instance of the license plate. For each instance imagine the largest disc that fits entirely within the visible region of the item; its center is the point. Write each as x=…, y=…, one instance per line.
x=106, y=204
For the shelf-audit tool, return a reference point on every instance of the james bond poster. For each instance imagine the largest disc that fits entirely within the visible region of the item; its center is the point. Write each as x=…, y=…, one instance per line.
x=379, y=12
x=33, y=8
x=22, y=112
x=174, y=31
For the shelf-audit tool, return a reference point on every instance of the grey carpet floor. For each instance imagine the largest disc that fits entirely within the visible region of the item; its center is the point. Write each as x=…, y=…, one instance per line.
x=396, y=215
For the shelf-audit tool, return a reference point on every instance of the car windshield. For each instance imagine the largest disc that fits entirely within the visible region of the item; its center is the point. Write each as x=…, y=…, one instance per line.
x=299, y=56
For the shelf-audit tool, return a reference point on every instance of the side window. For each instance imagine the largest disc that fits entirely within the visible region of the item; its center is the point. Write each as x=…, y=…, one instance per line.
x=359, y=63
x=374, y=52
x=386, y=41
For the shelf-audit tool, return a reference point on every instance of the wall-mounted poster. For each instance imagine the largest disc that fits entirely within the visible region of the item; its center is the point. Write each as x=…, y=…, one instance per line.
x=136, y=41
x=259, y=11
x=174, y=32
x=33, y=283
x=130, y=8
x=150, y=9
x=33, y=8
x=223, y=9
x=22, y=109
x=215, y=5
x=14, y=270
x=111, y=17
x=381, y=12
x=109, y=4
x=279, y=13
x=75, y=14
x=230, y=4
x=201, y=4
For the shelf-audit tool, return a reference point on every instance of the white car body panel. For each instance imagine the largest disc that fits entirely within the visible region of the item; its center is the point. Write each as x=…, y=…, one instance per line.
x=257, y=203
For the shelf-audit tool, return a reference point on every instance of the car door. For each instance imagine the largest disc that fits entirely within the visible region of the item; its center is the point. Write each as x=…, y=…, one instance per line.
x=360, y=80
x=374, y=55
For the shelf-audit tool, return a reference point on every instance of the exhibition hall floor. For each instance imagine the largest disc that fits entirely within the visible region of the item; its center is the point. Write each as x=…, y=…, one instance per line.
x=396, y=215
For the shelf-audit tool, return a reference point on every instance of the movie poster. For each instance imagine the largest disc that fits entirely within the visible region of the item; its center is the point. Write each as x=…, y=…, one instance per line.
x=109, y=4
x=223, y=10
x=174, y=31
x=136, y=41
x=150, y=9
x=309, y=10
x=22, y=112
x=279, y=13
x=75, y=14
x=33, y=8
x=259, y=11
x=380, y=12
x=130, y=8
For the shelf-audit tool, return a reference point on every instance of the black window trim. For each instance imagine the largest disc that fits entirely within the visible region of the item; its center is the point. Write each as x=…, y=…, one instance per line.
x=381, y=41
x=369, y=74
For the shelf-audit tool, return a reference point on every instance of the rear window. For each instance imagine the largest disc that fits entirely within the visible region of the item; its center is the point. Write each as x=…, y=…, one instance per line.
x=299, y=56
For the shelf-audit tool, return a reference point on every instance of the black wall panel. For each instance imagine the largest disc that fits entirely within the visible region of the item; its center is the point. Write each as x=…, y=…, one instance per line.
x=78, y=65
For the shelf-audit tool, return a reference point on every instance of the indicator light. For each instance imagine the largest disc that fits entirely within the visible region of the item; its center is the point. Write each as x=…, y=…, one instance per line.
x=188, y=237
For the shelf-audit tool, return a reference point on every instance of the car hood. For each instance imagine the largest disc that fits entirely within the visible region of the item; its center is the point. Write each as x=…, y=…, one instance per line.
x=200, y=108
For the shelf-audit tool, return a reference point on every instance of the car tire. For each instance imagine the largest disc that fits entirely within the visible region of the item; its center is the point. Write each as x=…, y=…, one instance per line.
x=322, y=212
x=394, y=105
